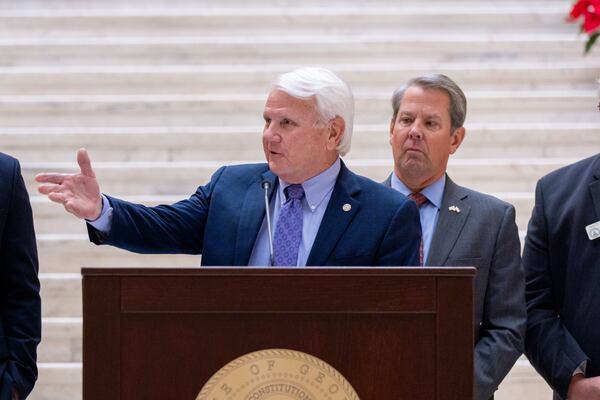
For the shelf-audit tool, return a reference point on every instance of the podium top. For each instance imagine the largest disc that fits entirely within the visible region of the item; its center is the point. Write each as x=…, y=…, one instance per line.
x=273, y=271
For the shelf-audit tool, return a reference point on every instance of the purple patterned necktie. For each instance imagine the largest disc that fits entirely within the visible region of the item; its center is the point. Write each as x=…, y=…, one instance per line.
x=288, y=232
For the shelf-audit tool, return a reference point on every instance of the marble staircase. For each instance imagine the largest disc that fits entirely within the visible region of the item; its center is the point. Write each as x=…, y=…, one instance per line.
x=162, y=93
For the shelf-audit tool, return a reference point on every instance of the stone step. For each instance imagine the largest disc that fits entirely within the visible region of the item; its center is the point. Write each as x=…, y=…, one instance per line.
x=61, y=294
x=292, y=49
x=165, y=178
x=178, y=110
x=233, y=49
x=68, y=253
x=221, y=79
x=233, y=143
x=113, y=5
x=61, y=340
x=523, y=383
x=483, y=18
x=58, y=381
x=51, y=218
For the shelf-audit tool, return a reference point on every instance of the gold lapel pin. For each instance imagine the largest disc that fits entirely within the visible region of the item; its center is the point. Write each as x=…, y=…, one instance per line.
x=454, y=209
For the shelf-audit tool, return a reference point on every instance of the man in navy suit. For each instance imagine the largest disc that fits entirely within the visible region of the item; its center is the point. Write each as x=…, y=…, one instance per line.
x=322, y=213
x=561, y=258
x=20, y=310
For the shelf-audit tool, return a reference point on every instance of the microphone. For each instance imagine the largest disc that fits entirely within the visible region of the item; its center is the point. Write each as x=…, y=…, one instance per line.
x=266, y=185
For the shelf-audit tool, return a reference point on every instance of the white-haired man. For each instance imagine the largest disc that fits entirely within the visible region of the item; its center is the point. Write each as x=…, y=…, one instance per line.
x=322, y=214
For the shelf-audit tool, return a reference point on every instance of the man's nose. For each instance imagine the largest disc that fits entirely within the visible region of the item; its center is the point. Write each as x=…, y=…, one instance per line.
x=271, y=134
x=415, y=132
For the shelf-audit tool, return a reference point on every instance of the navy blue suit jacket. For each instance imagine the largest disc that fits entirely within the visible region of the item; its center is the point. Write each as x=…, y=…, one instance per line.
x=562, y=267
x=20, y=311
x=222, y=219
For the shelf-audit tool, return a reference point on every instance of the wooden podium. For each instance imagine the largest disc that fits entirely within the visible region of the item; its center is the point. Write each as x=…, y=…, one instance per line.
x=393, y=333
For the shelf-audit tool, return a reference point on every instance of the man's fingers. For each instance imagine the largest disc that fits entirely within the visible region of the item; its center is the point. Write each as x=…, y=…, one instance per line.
x=83, y=159
x=57, y=197
x=51, y=177
x=66, y=200
x=49, y=188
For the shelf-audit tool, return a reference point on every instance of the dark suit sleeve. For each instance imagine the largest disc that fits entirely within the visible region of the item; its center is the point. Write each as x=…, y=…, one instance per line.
x=502, y=330
x=400, y=246
x=549, y=346
x=166, y=229
x=19, y=291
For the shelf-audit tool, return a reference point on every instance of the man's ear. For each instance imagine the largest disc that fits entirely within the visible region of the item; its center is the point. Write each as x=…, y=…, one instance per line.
x=456, y=139
x=392, y=123
x=335, y=128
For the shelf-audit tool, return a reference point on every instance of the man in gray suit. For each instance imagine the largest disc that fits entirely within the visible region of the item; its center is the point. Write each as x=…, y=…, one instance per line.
x=460, y=227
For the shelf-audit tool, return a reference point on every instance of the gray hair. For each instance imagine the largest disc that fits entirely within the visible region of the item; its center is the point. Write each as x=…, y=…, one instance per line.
x=333, y=96
x=458, y=101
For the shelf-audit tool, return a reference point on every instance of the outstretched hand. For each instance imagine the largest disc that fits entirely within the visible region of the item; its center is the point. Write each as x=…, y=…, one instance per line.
x=79, y=193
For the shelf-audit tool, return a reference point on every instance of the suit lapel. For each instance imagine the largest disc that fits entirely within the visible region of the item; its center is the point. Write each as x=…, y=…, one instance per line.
x=252, y=215
x=449, y=224
x=335, y=220
x=594, y=187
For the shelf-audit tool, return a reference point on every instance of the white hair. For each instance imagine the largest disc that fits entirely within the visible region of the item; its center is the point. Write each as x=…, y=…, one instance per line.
x=333, y=97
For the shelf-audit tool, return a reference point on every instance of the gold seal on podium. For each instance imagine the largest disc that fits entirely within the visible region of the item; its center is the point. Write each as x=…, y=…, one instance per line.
x=277, y=374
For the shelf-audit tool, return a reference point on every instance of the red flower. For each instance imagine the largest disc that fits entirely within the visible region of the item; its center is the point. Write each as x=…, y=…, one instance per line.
x=590, y=9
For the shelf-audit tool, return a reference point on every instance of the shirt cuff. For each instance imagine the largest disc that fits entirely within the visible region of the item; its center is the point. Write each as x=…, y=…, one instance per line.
x=581, y=369
x=104, y=222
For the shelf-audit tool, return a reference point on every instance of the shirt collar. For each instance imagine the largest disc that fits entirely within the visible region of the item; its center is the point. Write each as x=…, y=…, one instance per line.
x=317, y=187
x=433, y=192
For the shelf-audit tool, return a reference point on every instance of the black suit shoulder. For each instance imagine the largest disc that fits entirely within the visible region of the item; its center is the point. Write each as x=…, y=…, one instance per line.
x=8, y=165
x=6, y=160
x=573, y=175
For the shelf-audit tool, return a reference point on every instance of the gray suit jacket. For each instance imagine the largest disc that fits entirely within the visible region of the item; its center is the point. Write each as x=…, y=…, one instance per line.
x=484, y=234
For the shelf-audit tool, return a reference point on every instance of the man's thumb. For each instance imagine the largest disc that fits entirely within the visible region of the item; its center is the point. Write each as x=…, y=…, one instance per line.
x=85, y=164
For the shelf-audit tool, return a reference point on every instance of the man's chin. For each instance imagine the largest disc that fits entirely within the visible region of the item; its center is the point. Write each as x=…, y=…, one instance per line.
x=413, y=163
x=276, y=168
x=413, y=168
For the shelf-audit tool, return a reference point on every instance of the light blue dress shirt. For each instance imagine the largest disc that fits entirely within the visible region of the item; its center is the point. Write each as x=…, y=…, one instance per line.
x=104, y=222
x=317, y=192
x=428, y=212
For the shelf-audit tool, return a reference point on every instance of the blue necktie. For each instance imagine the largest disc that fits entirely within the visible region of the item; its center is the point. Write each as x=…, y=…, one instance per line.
x=288, y=232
